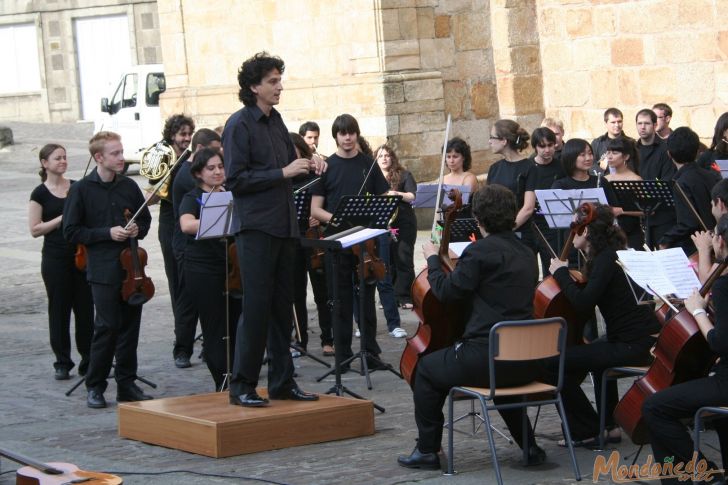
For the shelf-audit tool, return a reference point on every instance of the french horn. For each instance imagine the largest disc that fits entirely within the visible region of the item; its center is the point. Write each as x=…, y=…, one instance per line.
x=155, y=165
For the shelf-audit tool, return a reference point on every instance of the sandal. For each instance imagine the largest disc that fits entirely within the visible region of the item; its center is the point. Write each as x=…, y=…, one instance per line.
x=406, y=306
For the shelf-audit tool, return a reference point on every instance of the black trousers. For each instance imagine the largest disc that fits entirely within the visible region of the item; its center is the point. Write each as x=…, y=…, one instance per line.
x=403, y=256
x=206, y=291
x=595, y=357
x=664, y=411
x=185, y=312
x=300, y=292
x=464, y=364
x=347, y=279
x=265, y=322
x=116, y=335
x=321, y=298
x=67, y=291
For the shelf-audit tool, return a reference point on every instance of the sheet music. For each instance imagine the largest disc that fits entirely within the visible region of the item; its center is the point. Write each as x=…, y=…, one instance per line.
x=426, y=195
x=723, y=165
x=360, y=236
x=459, y=247
x=667, y=272
x=558, y=205
x=216, y=215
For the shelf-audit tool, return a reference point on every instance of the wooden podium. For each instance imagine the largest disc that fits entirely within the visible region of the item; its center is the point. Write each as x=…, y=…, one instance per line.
x=206, y=424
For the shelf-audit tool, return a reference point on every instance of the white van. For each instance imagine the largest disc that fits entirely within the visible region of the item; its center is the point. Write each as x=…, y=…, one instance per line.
x=133, y=111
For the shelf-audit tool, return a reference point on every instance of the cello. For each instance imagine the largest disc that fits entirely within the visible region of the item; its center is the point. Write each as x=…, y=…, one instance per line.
x=549, y=301
x=681, y=354
x=441, y=324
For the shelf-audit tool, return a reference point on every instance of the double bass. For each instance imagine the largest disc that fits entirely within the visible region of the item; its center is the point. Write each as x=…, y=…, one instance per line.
x=441, y=324
x=549, y=300
x=681, y=354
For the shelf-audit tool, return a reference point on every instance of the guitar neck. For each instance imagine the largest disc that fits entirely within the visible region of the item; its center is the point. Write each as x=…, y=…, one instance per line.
x=24, y=460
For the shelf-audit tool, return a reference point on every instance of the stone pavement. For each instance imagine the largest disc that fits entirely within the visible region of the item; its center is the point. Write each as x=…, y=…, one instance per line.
x=38, y=420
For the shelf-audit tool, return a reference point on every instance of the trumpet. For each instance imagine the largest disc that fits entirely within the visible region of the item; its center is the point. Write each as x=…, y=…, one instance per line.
x=156, y=163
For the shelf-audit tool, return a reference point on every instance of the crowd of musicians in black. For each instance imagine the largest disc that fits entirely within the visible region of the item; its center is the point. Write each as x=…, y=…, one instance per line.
x=256, y=158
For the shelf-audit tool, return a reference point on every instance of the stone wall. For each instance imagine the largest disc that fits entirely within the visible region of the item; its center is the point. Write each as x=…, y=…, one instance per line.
x=59, y=97
x=633, y=54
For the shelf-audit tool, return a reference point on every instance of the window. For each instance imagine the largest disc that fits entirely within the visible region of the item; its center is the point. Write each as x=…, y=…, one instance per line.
x=156, y=85
x=19, y=58
x=125, y=95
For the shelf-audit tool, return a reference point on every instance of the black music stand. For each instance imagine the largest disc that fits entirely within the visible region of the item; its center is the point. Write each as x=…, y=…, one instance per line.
x=464, y=230
x=217, y=221
x=645, y=196
x=302, y=202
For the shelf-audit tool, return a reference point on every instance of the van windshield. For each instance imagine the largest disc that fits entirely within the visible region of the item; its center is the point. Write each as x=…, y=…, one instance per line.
x=156, y=85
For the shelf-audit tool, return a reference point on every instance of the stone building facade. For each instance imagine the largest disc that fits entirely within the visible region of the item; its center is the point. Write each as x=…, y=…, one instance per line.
x=57, y=94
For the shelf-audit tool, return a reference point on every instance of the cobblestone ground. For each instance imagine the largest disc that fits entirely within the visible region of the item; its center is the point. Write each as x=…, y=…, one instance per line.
x=38, y=420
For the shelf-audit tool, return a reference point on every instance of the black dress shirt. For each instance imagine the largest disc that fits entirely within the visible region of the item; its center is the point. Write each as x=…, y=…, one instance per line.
x=607, y=288
x=92, y=208
x=257, y=147
x=718, y=336
x=696, y=183
x=655, y=164
x=495, y=278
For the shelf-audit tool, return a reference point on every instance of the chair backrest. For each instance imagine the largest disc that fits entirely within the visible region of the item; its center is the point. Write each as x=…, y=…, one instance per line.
x=520, y=340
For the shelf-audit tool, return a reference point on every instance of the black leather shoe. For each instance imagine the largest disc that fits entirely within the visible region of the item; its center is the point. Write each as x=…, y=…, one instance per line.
x=249, y=400
x=423, y=461
x=95, y=399
x=61, y=374
x=296, y=394
x=182, y=362
x=376, y=364
x=131, y=393
x=536, y=455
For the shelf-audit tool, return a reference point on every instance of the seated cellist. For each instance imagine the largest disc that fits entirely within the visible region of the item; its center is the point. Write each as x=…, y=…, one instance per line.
x=664, y=411
x=629, y=327
x=495, y=279
x=703, y=240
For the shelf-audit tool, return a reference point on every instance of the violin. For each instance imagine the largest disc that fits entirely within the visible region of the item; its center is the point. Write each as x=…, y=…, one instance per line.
x=549, y=300
x=681, y=354
x=137, y=288
x=371, y=268
x=79, y=259
x=316, y=262
x=441, y=324
x=234, y=277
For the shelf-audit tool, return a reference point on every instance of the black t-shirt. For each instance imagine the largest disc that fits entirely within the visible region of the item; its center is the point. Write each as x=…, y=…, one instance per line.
x=568, y=183
x=203, y=255
x=183, y=183
x=53, y=243
x=345, y=176
x=511, y=175
x=540, y=177
x=406, y=213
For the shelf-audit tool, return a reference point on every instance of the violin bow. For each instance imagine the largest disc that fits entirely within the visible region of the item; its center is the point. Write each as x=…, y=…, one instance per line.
x=545, y=241
x=154, y=192
x=691, y=206
x=442, y=175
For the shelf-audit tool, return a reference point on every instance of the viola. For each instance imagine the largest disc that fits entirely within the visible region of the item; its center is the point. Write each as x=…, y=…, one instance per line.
x=137, y=288
x=681, y=354
x=549, y=300
x=79, y=258
x=441, y=324
x=371, y=267
x=234, y=277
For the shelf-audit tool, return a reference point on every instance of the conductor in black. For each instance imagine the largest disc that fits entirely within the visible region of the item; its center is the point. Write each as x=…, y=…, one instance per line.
x=260, y=165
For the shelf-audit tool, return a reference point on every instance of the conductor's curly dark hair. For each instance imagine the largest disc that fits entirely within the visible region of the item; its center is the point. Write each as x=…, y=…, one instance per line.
x=603, y=234
x=494, y=206
x=253, y=71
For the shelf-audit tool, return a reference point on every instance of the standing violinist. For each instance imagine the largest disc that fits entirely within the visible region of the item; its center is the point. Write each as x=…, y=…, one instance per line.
x=665, y=410
x=696, y=184
x=350, y=172
x=495, y=279
x=629, y=327
x=94, y=216
x=65, y=284
x=204, y=266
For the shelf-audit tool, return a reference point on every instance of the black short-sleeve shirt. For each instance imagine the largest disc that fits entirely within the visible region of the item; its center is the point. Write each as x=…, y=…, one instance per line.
x=53, y=243
x=201, y=255
x=345, y=176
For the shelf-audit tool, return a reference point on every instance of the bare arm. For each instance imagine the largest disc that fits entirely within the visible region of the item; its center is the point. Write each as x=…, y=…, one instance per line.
x=189, y=224
x=529, y=205
x=318, y=211
x=35, y=223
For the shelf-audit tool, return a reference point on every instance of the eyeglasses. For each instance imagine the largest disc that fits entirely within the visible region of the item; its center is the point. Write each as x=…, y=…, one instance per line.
x=491, y=137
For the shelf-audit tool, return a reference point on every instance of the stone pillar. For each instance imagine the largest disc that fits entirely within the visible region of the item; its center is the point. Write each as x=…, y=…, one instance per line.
x=517, y=61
